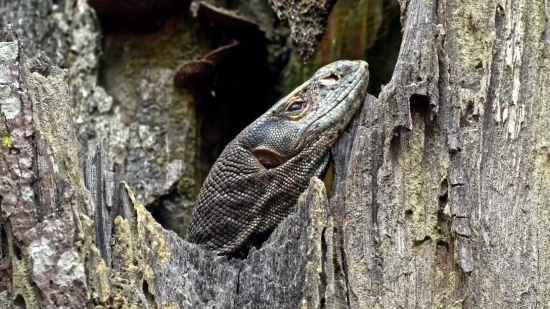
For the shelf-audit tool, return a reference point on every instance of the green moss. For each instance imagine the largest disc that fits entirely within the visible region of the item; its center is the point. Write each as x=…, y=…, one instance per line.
x=6, y=138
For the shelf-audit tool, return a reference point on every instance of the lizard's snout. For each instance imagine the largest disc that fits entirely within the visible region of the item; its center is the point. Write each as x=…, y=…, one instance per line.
x=346, y=67
x=360, y=65
x=342, y=68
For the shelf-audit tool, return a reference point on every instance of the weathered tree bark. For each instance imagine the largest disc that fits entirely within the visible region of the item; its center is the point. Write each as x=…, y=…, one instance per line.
x=132, y=262
x=440, y=198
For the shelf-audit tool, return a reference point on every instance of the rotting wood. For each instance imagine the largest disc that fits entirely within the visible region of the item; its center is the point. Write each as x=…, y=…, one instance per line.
x=444, y=201
x=128, y=258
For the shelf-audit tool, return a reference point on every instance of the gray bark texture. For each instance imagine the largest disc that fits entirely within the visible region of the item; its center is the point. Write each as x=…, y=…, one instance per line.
x=440, y=195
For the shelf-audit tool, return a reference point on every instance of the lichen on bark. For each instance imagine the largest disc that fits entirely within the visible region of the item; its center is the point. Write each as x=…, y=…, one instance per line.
x=440, y=195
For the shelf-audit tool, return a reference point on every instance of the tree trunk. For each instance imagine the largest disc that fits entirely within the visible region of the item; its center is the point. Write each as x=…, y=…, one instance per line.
x=440, y=193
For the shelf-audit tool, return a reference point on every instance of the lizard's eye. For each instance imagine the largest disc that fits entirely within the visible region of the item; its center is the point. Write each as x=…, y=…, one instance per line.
x=296, y=106
x=297, y=109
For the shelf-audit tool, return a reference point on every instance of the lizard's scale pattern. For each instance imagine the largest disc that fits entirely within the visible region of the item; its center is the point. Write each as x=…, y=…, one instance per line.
x=241, y=200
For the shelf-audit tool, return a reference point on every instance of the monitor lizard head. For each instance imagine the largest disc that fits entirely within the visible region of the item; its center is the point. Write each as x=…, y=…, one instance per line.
x=312, y=114
x=259, y=176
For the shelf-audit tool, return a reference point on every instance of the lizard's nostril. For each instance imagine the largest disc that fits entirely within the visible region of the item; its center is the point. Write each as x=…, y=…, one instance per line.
x=329, y=80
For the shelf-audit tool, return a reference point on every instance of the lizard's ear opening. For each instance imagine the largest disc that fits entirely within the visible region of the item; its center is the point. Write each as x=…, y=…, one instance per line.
x=267, y=159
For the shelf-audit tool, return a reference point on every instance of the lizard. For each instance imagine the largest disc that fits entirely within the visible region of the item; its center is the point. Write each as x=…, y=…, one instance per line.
x=257, y=179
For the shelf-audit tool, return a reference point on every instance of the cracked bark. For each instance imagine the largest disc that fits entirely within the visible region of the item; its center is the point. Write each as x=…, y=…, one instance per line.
x=440, y=194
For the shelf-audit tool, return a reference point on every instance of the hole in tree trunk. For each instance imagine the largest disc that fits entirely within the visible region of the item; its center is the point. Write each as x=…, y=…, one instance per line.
x=139, y=16
x=241, y=93
x=4, y=245
x=443, y=193
x=17, y=251
x=382, y=55
x=19, y=302
x=148, y=296
x=420, y=104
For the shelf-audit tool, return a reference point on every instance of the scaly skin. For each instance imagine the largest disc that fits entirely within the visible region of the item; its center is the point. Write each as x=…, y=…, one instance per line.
x=259, y=176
